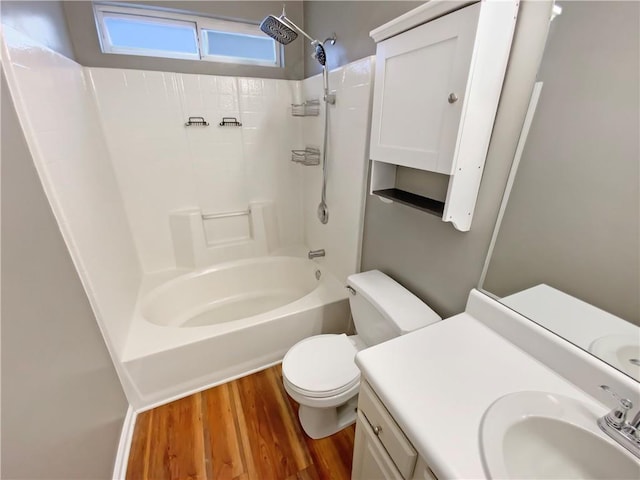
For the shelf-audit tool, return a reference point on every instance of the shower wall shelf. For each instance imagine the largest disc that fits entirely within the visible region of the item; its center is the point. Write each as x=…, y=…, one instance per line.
x=196, y=122
x=429, y=120
x=310, y=156
x=230, y=122
x=310, y=108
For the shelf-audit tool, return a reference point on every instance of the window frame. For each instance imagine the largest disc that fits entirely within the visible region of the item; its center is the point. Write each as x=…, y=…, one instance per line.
x=200, y=25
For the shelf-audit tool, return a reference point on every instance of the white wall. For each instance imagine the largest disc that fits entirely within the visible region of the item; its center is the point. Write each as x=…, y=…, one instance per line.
x=42, y=20
x=347, y=161
x=58, y=117
x=162, y=165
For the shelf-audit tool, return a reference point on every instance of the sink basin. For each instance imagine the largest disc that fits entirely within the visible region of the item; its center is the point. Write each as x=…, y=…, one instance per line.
x=542, y=435
x=619, y=351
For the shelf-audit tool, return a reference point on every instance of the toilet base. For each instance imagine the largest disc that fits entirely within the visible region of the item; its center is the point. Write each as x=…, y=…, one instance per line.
x=322, y=422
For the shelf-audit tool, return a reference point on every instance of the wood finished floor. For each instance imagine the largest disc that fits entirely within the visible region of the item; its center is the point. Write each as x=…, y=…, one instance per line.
x=247, y=429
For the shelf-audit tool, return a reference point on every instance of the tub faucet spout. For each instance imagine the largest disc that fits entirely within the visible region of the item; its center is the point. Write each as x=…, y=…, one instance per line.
x=316, y=253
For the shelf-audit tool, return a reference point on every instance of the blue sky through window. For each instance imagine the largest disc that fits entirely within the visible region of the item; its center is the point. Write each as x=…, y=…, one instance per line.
x=130, y=33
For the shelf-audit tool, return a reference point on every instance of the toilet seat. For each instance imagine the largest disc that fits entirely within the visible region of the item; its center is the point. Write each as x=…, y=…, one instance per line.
x=321, y=366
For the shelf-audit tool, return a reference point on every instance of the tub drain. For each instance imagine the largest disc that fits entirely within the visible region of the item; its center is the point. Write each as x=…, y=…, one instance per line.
x=318, y=274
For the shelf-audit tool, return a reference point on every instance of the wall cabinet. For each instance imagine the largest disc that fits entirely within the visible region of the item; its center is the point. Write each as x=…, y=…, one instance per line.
x=381, y=449
x=437, y=86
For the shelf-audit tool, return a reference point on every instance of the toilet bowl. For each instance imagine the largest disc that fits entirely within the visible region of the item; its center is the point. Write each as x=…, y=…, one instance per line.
x=320, y=373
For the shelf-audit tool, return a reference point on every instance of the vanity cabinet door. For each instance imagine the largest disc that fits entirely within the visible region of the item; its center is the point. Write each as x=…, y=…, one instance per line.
x=370, y=460
x=381, y=448
x=387, y=431
x=423, y=472
x=419, y=93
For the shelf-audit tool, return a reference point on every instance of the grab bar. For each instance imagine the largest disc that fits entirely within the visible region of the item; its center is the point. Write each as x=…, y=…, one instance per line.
x=211, y=216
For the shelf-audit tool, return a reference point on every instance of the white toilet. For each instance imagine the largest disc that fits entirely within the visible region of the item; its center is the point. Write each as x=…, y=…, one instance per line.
x=320, y=373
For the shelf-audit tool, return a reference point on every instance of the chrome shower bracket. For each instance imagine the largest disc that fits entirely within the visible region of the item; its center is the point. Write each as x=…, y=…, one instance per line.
x=331, y=39
x=330, y=97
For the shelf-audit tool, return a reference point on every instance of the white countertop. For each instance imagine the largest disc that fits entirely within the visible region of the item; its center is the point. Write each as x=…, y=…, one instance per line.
x=438, y=381
x=567, y=316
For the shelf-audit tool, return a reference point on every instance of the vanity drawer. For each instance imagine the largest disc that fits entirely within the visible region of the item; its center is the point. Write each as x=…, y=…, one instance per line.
x=385, y=428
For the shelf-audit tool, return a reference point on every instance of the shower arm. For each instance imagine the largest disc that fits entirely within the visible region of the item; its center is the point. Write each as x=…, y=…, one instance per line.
x=287, y=21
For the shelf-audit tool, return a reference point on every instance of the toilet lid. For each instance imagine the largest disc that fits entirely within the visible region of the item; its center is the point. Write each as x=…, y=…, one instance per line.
x=323, y=364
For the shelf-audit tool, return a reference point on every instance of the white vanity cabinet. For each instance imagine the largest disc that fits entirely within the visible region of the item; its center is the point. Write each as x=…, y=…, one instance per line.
x=438, y=81
x=381, y=450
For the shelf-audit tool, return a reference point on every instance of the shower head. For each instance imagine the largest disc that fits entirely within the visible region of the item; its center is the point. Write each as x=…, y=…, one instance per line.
x=277, y=29
x=319, y=54
x=282, y=29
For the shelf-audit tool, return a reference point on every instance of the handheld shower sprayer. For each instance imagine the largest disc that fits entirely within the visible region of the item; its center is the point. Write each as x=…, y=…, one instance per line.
x=319, y=54
x=318, y=49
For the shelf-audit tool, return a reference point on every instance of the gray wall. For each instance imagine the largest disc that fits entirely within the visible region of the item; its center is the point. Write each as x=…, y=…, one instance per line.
x=351, y=21
x=43, y=21
x=440, y=264
x=84, y=37
x=62, y=403
x=573, y=216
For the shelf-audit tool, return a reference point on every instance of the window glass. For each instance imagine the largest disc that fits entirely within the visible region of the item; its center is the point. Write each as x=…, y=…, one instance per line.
x=152, y=32
x=151, y=35
x=240, y=45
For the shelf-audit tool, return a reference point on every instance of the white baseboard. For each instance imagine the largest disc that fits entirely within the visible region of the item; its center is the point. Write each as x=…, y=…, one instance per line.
x=124, y=446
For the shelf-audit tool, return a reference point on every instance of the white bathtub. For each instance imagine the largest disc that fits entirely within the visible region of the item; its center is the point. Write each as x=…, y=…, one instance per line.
x=230, y=292
x=208, y=326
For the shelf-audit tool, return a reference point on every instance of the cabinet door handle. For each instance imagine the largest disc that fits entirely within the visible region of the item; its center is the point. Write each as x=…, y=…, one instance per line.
x=453, y=98
x=377, y=430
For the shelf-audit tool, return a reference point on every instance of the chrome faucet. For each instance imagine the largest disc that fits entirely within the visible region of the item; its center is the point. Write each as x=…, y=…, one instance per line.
x=316, y=253
x=633, y=427
x=615, y=423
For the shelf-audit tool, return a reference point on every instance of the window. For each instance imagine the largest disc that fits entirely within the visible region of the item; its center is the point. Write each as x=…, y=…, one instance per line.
x=225, y=46
x=161, y=33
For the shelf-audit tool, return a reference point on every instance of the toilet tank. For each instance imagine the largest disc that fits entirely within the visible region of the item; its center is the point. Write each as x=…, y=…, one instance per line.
x=383, y=309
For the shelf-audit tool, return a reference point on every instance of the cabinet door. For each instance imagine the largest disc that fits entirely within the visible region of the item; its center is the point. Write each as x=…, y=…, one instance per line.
x=423, y=472
x=370, y=459
x=415, y=121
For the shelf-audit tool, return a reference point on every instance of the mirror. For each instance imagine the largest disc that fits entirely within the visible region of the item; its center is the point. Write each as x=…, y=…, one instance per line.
x=566, y=251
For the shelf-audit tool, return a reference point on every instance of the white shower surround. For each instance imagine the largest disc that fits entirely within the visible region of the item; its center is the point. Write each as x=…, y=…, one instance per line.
x=163, y=166
x=63, y=132
x=349, y=125
x=110, y=240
